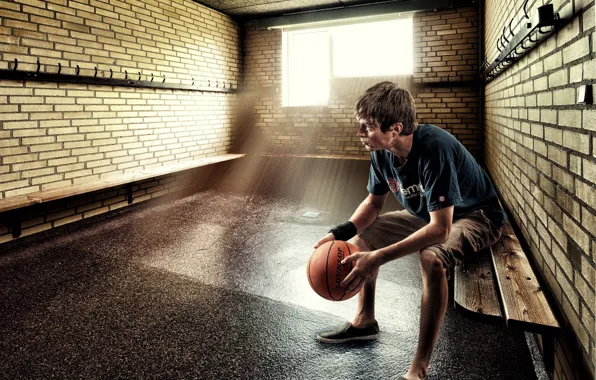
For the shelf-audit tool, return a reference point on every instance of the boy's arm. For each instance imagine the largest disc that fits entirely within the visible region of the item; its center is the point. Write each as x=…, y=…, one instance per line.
x=365, y=214
x=436, y=232
x=368, y=211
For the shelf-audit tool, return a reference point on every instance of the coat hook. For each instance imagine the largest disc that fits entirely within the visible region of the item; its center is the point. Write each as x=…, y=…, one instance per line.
x=78, y=70
x=59, y=67
x=151, y=77
x=111, y=73
x=16, y=64
x=224, y=84
x=511, y=30
x=139, y=76
x=125, y=74
x=164, y=79
x=541, y=32
x=208, y=81
x=95, y=75
x=216, y=83
x=503, y=35
x=38, y=67
x=230, y=85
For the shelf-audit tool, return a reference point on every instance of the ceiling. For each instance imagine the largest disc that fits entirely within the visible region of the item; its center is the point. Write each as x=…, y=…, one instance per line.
x=257, y=9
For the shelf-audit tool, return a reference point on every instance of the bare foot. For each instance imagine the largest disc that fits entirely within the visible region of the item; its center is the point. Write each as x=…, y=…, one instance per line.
x=415, y=374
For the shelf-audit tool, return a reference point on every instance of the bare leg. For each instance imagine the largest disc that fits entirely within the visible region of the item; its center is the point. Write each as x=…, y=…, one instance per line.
x=435, y=295
x=365, y=314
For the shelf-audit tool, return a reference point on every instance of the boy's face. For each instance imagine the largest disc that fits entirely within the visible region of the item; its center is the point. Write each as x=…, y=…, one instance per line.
x=371, y=135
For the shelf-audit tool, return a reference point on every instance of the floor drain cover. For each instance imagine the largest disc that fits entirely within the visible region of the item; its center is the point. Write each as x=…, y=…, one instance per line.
x=311, y=214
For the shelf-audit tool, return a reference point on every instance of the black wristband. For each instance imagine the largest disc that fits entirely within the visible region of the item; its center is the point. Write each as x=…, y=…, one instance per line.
x=344, y=231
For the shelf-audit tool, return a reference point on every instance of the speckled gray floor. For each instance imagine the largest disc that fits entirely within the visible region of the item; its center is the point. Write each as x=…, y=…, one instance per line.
x=213, y=286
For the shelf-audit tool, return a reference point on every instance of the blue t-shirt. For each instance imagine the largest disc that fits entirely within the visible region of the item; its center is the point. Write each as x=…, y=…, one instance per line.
x=439, y=172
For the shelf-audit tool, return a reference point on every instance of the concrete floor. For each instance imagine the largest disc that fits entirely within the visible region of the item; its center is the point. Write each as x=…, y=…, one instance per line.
x=213, y=286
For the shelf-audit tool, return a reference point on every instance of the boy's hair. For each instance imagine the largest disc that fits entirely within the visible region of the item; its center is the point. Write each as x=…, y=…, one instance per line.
x=387, y=104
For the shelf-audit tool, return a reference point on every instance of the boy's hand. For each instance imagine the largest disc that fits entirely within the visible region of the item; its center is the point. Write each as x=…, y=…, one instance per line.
x=365, y=269
x=325, y=239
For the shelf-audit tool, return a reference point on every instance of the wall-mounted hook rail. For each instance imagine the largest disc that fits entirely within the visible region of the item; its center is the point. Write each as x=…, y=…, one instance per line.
x=526, y=39
x=38, y=75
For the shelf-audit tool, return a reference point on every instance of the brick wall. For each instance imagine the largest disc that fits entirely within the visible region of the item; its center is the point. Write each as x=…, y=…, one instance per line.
x=446, y=50
x=540, y=151
x=446, y=45
x=53, y=135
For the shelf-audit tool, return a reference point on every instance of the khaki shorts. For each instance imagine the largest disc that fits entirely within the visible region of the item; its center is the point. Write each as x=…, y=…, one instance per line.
x=468, y=235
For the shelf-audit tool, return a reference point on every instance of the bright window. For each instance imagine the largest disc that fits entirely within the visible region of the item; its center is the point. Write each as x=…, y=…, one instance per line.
x=311, y=57
x=307, y=68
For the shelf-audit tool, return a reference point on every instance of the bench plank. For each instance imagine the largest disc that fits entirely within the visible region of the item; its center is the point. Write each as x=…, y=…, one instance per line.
x=63, y=192
x=474, y=289
x=524, y=303
x=11, y=203
x=185, y=165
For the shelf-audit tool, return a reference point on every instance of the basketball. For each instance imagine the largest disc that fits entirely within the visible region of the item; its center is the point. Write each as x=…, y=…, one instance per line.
x=325, y=271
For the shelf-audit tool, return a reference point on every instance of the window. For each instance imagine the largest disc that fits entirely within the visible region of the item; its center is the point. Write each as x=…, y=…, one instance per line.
x=307, y=78
x=311, y=57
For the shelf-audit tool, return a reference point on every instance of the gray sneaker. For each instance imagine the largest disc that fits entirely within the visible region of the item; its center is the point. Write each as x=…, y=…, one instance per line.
x=348, y=333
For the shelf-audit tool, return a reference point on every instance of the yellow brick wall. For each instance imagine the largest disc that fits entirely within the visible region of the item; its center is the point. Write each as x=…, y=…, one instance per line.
x=540, y=150
x=446, y=47
x=57, y=134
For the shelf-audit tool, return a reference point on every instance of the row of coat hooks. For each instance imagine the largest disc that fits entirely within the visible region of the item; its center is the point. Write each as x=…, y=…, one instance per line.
x=99, y=77
x=513, y=46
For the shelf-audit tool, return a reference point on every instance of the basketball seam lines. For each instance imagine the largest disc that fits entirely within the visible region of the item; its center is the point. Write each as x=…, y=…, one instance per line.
x=327, y=272
x=349, y=253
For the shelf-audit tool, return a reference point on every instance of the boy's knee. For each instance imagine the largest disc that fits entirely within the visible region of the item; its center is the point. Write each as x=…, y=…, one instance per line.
x=431, y=264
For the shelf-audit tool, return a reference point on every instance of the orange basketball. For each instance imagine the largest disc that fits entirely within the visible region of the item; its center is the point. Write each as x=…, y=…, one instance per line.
x=325, y=271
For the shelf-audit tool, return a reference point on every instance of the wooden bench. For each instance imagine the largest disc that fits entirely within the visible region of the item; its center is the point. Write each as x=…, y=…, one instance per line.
x=13, y=204
x=501, y=287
